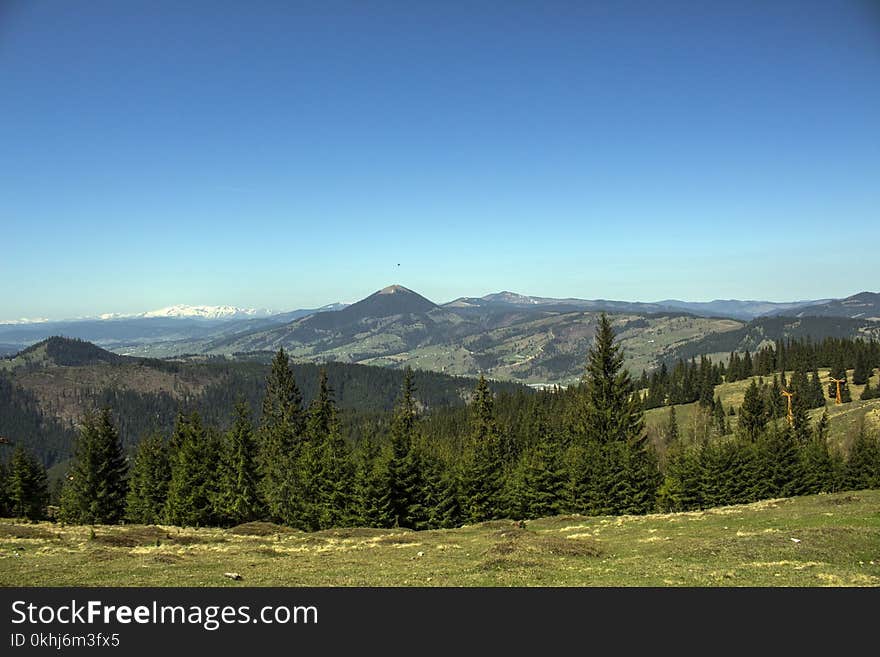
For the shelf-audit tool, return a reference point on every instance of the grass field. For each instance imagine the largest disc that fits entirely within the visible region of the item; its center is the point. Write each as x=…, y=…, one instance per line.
x=821, y=540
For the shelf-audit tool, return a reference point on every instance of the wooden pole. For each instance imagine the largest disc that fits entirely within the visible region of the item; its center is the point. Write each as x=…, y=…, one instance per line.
x=788, y=395
x=838, y=382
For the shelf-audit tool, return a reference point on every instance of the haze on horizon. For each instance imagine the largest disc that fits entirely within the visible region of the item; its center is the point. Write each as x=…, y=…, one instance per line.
x=275, y=156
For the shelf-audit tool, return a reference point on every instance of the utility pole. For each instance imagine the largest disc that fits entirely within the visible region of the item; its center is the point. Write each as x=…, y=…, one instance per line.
x=838, y=382
x=788, y=395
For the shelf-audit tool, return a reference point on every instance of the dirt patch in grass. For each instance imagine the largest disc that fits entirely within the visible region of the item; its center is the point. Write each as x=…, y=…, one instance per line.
x=24, y=531
x=260, y=529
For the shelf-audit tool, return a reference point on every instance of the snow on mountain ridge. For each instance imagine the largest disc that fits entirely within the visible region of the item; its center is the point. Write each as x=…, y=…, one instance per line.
x=206, y=312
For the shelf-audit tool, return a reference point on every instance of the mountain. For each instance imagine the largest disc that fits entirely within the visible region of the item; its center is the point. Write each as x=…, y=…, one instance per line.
x=504, y=337
x=512, y=300
x=864, y=305
x=735, y=308
x=744, y=310
x=44, y=395
x=763, y=331
x=159, y=333
x=61, y=352
x=208, y=312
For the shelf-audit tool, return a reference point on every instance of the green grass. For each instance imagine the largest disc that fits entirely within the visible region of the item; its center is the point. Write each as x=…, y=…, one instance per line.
x=838, y=544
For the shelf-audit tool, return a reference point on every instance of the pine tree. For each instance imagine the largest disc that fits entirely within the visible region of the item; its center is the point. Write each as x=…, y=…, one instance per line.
x=482, y=476
x=280, y=444
x=817, y=394
x=707, y=389
x=96, y=488
x=238, y=499
x=26, y=489
x=869, y=392
x=681, y=489
x=752, y=413
x=800, y=424
x=441, y=496
x=863, y=465
x=192, y=490
x=817, y=466
x=371, y=502
x=148, y=484
x=720, y=418
x=403, y=469
x=608, y=412
x=778, y=462
x=862, y=370
x=539, y=477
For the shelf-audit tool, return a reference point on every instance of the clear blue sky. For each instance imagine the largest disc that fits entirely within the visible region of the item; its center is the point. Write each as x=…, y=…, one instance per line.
x=289, y=154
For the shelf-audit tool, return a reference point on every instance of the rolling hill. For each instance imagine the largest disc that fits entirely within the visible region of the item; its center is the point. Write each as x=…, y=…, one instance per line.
x=864, y=305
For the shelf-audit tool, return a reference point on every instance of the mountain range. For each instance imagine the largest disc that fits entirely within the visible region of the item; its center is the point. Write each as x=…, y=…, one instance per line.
x=505, y=335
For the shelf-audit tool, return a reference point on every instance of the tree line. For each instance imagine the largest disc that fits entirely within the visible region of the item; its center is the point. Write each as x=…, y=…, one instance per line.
x=583, y=450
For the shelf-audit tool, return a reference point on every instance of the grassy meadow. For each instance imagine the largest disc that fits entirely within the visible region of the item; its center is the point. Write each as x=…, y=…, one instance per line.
x=820, y=540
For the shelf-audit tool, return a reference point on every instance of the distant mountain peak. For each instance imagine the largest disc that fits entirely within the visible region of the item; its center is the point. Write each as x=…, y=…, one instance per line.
x=506, y=296
x=394, y=289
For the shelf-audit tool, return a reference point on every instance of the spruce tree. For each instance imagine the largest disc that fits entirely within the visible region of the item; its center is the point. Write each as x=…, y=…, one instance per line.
x=869, y=392
x=482, y=477
x=862, y=370
x=238, y=499
x=609, y=413
x=192, y=489
x=441, y=496
x=96, y=488
x=863, y=465
x=26, y=489
x=801, y=429
x=336, y=479
x=280, y=444
x=817, y=466
x=720, y=418
x=817, y=394
x=752, y=413
x=148, y=483
x=539, y=476
x=778, y=462
x=371, y=502
x=682, y=485
x=403, y=469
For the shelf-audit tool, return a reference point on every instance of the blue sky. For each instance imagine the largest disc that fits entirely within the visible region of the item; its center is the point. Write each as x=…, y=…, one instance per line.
x=290, y=154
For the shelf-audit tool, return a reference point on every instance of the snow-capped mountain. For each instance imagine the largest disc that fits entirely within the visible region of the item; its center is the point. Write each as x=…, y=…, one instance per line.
x=183, y=311
x=208, y=312
x=25, y=320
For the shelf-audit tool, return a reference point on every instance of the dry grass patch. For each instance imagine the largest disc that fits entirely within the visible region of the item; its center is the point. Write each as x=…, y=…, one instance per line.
x=260, y=529
x=24, y=531
x=522, y=541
